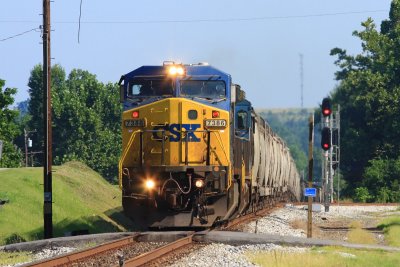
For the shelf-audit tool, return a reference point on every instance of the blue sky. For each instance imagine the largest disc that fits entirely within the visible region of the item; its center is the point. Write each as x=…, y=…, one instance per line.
x=258, y=42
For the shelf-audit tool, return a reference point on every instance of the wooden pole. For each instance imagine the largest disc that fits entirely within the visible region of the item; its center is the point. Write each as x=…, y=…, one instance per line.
x=48, y=157
x=310, y=172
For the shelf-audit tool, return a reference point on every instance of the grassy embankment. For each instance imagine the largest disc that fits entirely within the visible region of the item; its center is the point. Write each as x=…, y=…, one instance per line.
x=338, y=256
x=82, y=199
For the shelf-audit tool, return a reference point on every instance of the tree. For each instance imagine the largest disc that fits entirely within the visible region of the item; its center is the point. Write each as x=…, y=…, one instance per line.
x=86, y=118
x=35, y=106
x=11, y=156
x=369, y=96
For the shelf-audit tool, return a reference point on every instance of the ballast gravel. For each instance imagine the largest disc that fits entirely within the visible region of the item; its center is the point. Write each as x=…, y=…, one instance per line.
x=44, y=254
x=278, y=223
x=228, y=255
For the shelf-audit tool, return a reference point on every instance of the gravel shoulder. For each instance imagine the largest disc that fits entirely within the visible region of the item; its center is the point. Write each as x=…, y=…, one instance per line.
x=290, y=221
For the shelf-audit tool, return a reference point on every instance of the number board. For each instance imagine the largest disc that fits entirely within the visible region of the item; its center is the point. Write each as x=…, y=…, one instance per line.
x=134, y=123
x=215, y=123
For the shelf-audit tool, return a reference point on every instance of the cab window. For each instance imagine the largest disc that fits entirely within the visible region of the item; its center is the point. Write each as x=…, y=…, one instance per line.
x=150, y=87
x=242, y=120
x=205, y=89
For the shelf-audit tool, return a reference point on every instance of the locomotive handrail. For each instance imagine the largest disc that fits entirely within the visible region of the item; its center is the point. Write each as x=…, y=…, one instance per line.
x=218, y=135
x=124, y=153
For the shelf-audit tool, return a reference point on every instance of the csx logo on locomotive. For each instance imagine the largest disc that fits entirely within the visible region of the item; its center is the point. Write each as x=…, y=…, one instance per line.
x=175, y=131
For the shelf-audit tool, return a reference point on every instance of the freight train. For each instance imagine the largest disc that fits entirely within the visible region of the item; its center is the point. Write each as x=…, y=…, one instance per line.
x=195, y=154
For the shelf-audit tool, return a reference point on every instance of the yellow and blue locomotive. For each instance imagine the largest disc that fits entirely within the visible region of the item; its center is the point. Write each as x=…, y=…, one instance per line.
x=195, y=154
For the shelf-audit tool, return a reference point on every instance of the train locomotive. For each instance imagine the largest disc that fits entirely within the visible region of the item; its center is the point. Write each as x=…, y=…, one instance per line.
x=195, y=154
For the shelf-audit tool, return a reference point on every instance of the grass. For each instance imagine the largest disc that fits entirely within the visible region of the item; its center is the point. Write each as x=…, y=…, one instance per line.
x=10, y=258
x=327, y=257
x=82, y=199
x=358, y=235
x=391, y=229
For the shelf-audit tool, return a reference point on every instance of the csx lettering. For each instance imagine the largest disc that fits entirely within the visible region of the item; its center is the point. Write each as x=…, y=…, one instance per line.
x=175, y=132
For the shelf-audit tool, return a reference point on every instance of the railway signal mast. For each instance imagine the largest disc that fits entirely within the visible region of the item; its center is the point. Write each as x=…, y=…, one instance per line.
x=330, y=144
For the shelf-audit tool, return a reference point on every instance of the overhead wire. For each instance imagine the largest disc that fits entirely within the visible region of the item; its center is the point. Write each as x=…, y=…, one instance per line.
x=207, y=20
x=19, y=34
x=222, y=20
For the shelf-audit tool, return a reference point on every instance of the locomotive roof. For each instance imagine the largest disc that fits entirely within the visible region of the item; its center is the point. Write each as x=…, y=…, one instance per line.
x=195, y=70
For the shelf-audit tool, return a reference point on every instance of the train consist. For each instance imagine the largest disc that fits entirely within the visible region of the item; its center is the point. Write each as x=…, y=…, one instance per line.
x=195, y=153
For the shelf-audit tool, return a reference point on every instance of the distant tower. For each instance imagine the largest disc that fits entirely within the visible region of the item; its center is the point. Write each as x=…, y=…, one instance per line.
x=301, y=79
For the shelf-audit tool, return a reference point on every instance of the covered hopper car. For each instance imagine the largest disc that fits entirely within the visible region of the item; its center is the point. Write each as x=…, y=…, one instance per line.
x=195, y=154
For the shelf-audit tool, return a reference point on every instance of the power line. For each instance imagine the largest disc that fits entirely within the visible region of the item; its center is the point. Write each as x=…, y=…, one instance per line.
x=207, y=20
x=19, y=34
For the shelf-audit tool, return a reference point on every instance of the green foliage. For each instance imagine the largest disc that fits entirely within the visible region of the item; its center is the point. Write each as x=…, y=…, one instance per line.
x=382, y=176
x=391, y=230
x=86, y=118
x=362, y=194
x=327, y=257
x=13, y=258
x=369, y=97
x=11, y=156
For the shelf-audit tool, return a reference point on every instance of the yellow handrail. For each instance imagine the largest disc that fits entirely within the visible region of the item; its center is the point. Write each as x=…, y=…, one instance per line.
x=218, y=136
x=124, y=153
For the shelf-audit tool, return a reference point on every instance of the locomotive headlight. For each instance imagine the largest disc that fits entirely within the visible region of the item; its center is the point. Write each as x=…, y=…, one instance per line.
x=150, y=184
x=199, y=183
x=176, y=70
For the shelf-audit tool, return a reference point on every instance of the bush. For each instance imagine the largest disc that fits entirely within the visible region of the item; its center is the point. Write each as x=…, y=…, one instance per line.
x=362, y=194
x=14, y=238
x=381, y=178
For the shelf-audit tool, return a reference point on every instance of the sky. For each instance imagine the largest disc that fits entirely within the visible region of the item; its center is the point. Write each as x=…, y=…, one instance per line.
x=258, y=42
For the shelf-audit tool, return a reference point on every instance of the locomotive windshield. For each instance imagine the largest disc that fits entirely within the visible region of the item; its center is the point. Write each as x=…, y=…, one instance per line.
x=204, y=89
x=150, y=88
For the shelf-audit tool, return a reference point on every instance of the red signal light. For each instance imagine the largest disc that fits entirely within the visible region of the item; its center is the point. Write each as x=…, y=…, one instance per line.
x=326, y=107
x=326, y=138
x=215, y=114
x=327, y=112
x=135, y=114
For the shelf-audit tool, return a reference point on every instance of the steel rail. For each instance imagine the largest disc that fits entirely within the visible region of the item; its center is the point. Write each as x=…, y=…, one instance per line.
x=82, y=254
x=158, y=252
x=250, y=216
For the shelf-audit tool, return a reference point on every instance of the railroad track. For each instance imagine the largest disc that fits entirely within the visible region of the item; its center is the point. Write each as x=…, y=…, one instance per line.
x=127, y=251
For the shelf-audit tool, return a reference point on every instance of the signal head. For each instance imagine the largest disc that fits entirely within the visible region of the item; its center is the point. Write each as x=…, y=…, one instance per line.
x=326, y=107
x=326, y=138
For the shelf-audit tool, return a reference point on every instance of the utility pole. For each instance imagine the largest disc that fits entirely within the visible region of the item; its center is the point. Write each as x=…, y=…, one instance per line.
x=48, y=157
x=310, y=172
